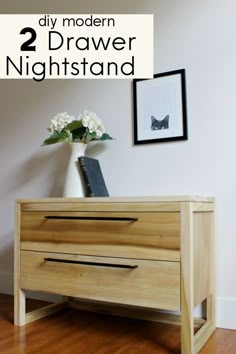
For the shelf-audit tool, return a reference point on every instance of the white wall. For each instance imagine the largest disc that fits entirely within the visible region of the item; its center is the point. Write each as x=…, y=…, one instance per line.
x=199, y=36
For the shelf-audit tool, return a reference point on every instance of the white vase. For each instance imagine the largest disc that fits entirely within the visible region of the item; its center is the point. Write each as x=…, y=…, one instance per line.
x=74, y=185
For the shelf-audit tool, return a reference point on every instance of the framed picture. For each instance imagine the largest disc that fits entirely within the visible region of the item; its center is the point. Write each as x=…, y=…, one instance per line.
x=160, y=108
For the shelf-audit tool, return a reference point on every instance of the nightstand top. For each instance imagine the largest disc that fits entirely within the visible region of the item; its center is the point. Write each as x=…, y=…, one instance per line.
x=131, y=199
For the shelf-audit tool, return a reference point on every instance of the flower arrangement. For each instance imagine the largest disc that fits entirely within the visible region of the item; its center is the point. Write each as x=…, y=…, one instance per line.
x=85, y=128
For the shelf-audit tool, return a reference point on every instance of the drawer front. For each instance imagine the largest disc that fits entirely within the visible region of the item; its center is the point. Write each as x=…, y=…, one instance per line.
x=128, y=229
x=153, y=284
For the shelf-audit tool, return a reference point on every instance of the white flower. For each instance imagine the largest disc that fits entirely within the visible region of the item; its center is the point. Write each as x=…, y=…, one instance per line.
x=87, y=127
x=93, y=123
x=59, y=122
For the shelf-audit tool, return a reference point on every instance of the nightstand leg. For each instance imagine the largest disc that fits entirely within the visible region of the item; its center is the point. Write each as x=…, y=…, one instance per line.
x=187, y=330
x=19, y=307
x=209, y=326
x=187, y=305
x=211, y=309
x=19, y=294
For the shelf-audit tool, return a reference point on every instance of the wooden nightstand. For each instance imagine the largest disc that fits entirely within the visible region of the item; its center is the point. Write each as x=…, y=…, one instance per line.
x=142, y=253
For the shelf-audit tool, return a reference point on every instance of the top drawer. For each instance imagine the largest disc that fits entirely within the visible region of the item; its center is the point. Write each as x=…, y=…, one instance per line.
x=154, y=230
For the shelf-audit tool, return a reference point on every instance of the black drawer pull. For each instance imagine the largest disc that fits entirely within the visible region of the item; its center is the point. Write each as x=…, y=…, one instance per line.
x=108, y=218
x=96, y=264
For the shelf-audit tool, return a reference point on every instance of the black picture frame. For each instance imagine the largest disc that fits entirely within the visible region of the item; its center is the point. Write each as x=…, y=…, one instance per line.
x=160, y=112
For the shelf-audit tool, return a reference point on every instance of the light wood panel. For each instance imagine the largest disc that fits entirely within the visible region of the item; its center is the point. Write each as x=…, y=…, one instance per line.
x=157, y=230
x=203, y=255
x=161, y=203
x=202, y=207
x=116, y=200
x=130, y=312
x=100, y=207
x=187, y=319
x=203, y=335
x=171, y=233
x=125, y=251
x=44, y=311
x=137, y=287
x=197, y=275
x=19, y=294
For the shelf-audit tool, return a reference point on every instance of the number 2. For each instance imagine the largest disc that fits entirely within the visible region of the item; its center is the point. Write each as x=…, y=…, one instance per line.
x=26, y=46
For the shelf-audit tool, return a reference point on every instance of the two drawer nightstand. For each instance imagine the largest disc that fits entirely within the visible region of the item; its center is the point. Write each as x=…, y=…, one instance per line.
x=142, y=253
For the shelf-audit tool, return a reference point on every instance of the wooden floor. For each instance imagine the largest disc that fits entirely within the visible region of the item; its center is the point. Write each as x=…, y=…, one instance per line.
x=77, y=332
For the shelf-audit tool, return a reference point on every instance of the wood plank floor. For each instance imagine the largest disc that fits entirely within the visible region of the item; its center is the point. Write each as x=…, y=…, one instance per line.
x=78, y=332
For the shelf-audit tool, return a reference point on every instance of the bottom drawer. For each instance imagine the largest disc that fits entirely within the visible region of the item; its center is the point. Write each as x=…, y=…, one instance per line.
x=153, y=284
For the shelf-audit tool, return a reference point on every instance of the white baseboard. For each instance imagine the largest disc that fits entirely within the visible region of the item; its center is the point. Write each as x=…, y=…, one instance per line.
x=226, y=312
x=225, y=307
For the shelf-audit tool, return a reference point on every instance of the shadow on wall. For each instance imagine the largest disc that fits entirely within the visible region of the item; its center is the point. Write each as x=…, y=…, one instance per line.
x=40, y=175
x=7, y=266
x=43, y=174
x=7, y=254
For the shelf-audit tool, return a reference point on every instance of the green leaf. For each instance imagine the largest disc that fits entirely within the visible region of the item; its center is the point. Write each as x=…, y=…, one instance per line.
x=55, y=138
x=106, y=136
x=78, y=133
x=74, y=125
x=92, y=136
x=55, y=134
x=50, y=141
